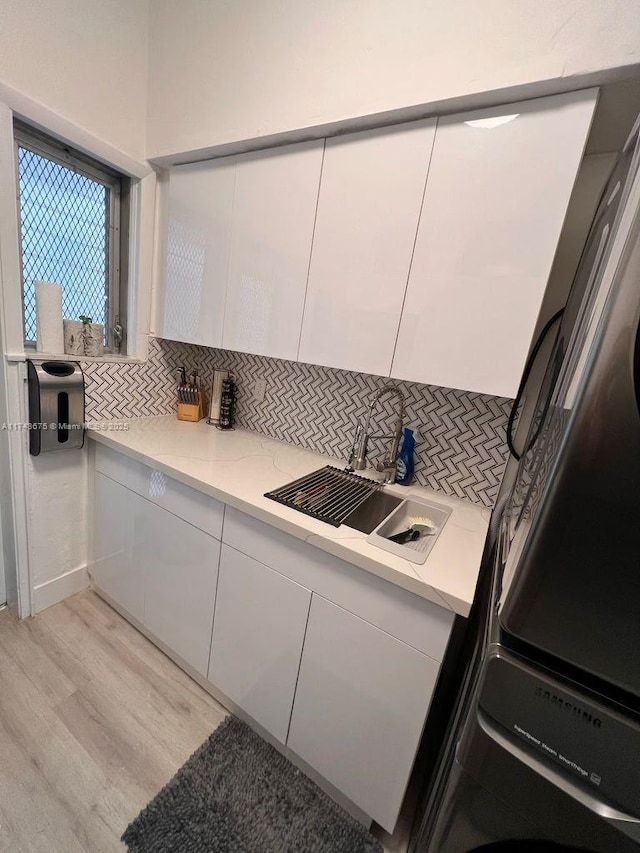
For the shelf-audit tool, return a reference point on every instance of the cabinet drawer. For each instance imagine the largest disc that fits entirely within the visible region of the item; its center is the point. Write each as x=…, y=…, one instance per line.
x=193, y=506
x=119, y=467
x=412, y=619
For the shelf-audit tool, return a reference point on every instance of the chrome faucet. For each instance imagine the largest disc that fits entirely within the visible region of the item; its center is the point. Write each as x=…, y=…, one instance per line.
x=358, y=455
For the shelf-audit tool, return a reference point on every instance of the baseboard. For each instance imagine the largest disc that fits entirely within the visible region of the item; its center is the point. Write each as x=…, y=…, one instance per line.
x=57, y=589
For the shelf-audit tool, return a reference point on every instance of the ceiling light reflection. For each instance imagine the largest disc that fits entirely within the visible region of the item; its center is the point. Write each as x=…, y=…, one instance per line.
x=496, y=121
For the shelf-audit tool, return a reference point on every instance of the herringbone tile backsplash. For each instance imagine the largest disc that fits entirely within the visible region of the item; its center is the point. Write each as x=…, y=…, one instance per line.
x=461, y=436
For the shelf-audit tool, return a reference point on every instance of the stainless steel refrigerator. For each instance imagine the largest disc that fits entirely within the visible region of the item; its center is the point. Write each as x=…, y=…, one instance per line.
x=543, y=748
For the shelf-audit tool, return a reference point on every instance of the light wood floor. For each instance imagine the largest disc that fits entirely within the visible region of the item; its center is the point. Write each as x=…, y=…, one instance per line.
x=94, y=720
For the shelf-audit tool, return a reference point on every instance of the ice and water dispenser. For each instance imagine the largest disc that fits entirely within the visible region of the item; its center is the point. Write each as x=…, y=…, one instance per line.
x=56, y=406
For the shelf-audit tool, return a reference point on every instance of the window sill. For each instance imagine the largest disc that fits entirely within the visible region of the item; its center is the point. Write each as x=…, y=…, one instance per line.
x=107, y=358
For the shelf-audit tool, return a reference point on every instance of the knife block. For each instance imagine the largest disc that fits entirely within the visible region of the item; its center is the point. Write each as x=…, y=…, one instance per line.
x=193, y=412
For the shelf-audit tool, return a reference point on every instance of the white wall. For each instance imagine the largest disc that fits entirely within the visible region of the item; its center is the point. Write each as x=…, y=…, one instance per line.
x=83, y=59
x=3, y=587
x=224, y=71
x=78, y=68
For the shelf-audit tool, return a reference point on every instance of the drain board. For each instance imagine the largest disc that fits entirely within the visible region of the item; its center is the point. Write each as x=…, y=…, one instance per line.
x=328, y=494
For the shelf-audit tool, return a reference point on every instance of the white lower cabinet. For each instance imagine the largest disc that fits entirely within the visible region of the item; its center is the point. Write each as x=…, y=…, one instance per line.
x=112, y=569
x=157, y=567
x=348, y=694
x=360, y=706
x=179, y=563
x=258, y=634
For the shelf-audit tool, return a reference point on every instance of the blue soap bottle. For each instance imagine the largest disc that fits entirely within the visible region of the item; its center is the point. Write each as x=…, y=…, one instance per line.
x=406, y=459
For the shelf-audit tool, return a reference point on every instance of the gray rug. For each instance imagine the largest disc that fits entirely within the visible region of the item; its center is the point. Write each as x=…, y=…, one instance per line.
x=237, y=794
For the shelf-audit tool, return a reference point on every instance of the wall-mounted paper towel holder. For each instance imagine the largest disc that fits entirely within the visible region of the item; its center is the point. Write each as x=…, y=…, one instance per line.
x=56, y=406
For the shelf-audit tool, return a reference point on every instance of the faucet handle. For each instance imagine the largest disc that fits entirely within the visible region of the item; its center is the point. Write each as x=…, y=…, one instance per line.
x=389, y=469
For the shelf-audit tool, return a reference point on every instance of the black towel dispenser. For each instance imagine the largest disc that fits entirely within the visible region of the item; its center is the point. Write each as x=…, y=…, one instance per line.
x=56, y=406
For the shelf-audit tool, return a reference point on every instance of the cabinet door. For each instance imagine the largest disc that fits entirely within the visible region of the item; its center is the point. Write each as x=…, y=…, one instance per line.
x=273, y=215
x=112, y=568
x=257, y=639
x=198, y=236
x=360, y=706
x=180, y=565
x=368, y=209
x=498, y=189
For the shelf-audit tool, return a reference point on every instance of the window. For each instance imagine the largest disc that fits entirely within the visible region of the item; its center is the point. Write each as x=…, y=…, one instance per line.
x=70, y=233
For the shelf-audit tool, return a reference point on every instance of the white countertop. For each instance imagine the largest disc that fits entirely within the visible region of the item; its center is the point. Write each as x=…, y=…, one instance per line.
x=238, y=467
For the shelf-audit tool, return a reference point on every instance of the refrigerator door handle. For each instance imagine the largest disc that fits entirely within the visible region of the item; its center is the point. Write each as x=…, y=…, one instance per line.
x=531, y=360
x=624, y=822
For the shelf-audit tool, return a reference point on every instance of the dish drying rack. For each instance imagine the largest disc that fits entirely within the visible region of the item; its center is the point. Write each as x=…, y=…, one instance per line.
x=328, y=494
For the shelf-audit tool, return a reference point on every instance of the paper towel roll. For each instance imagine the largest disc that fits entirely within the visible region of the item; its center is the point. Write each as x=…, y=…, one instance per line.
x=50, y=335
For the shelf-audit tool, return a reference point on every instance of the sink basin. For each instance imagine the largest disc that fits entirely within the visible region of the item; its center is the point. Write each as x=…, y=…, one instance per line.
x=398, y=520
x=373, y=511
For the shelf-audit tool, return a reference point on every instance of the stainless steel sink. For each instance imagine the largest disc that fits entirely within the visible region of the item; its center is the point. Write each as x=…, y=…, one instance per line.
x=372, y=511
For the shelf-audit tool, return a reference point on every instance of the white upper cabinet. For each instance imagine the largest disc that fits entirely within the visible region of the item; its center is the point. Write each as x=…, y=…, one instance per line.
x=497, y=193
x=420, y=251
x=274, y=210
x=199, y=215
x=368, y=209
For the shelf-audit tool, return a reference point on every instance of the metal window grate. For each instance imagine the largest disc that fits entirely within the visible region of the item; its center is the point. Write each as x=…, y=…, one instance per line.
x=64, y=217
